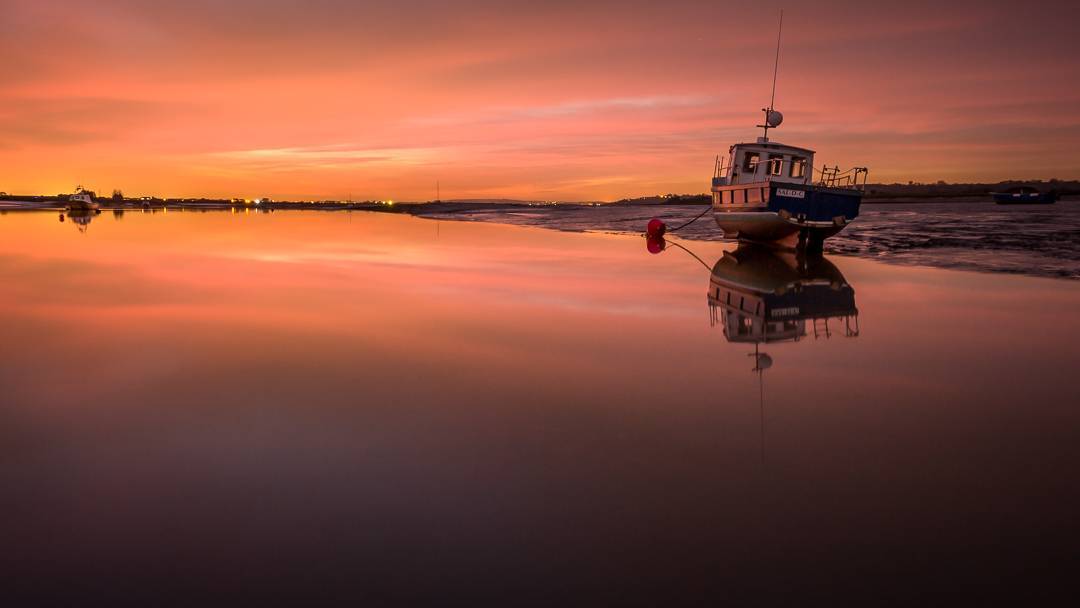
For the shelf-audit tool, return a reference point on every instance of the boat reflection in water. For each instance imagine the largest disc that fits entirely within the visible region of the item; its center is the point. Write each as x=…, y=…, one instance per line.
x=761, y=296
x=80, y=217
x=764, y=296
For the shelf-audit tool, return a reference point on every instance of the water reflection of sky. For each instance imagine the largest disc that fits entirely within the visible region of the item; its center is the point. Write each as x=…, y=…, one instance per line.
x=366, y=405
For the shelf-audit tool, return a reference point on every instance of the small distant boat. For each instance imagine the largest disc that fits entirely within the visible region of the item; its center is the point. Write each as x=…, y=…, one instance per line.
x=1024, y=195
x=766, y=192
x=82, y=200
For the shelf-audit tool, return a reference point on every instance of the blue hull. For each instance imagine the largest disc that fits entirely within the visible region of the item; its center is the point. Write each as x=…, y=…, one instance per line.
x=814, y=203
x=789, y=215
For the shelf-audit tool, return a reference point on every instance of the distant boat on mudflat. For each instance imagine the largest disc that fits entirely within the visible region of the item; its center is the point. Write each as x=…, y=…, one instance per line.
x=1024, y=195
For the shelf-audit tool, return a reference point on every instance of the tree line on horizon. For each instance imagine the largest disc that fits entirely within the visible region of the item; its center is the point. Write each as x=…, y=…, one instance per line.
x=912, y=189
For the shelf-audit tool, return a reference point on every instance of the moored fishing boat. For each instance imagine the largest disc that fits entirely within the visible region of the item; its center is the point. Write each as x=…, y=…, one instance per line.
x=82, y=200
x=763, y=192
x=766, y=191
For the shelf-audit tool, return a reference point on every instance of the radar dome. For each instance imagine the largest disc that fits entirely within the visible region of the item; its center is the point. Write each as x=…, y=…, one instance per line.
x=774, y=118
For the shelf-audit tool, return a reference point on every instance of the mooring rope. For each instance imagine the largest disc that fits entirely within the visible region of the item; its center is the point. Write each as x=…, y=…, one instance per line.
x=694, y=255
x=708, y=209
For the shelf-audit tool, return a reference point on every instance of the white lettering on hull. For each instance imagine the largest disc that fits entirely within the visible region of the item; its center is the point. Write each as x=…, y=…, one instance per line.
x=791, y=311
x=790, y=193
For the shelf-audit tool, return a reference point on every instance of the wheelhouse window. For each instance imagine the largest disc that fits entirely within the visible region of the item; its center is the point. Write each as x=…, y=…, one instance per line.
x=751, y=162
x=798, y=167
x=776, y=165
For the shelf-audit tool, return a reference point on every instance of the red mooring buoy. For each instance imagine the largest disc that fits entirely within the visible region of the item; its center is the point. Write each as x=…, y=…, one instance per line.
x=656, y=228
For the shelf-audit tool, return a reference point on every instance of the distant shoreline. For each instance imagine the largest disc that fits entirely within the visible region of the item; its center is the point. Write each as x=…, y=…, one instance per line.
x=422, y=208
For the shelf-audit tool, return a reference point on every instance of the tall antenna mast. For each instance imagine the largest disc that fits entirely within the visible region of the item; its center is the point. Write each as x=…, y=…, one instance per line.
x=776, y=65
x=772, y=117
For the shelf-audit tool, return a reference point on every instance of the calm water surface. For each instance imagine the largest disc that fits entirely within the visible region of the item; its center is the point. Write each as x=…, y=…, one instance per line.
x=362, y=407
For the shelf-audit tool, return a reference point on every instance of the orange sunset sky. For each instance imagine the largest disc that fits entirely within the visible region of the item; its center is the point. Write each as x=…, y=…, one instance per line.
x=534, y=100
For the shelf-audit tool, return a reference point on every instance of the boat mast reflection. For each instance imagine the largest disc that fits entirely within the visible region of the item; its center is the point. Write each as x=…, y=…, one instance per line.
x=761, y=296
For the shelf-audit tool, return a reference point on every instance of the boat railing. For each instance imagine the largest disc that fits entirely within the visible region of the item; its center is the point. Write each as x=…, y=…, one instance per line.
x=720, y=167
x=854, y=178
x=822, y=329
x=851, y=326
